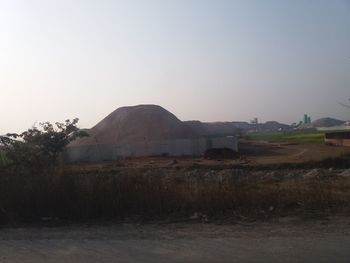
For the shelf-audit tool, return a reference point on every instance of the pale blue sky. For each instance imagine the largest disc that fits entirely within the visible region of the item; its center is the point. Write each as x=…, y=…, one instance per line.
x=206, y=60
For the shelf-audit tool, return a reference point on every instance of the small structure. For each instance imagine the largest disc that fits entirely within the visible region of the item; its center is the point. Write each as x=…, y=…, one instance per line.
x=338, y=138
x=307, y=119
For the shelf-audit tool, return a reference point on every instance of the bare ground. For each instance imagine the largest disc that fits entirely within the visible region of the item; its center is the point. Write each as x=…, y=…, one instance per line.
x=264, y=152
x=252, y=153
x=285, y=240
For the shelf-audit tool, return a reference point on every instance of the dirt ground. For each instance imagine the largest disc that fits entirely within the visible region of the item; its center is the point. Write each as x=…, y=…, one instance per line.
x=264, y=152
x=251, y=153
x=285, y=240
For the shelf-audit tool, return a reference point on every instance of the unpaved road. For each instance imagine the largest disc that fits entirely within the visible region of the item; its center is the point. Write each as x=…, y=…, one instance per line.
x=284, y=241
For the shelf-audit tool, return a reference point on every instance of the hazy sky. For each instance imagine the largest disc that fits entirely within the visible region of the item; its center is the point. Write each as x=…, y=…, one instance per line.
x=206, y=60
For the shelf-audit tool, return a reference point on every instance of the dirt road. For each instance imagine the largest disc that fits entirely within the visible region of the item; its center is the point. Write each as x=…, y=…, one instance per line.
x=287, y=241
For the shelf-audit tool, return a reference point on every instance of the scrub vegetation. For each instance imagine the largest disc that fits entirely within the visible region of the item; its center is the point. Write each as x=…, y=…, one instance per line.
x=36, y=186
x=166, y=194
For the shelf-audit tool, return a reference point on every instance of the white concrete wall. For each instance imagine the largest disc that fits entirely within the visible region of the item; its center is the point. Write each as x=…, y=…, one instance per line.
x=180, y=147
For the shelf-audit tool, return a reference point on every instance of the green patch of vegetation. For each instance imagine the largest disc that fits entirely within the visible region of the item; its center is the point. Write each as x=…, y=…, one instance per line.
x=3, y=160
x=304, y=136
x=38, y=149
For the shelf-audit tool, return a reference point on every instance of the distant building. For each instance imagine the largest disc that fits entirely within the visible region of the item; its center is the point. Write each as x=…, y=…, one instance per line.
x=307, y=119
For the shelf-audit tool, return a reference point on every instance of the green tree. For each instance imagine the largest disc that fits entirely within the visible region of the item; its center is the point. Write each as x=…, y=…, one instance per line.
x=40, y=145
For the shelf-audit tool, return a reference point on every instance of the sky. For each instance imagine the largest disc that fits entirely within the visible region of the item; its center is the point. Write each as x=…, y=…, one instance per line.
x=208, y=60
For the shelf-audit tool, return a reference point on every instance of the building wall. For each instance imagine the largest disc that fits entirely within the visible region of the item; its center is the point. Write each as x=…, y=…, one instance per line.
x=338, y=138
x=180, y=147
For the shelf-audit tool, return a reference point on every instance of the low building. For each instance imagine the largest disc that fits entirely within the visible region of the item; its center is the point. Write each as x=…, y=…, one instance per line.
x=338, y=138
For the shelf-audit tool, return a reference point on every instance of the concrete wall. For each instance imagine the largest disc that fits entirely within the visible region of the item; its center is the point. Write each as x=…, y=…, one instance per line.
x=180, y=147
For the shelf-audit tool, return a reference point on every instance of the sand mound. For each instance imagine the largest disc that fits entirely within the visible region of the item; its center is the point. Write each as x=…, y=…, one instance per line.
x=141, y=123
x=327, y=122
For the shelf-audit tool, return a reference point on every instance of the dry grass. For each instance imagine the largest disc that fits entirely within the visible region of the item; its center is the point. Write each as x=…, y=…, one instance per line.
x=164, y=193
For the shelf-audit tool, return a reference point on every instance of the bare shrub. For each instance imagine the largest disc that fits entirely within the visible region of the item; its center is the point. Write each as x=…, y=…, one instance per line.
x=164, y=193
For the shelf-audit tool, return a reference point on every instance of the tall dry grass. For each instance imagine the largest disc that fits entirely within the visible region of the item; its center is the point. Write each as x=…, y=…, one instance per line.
x=163, y=193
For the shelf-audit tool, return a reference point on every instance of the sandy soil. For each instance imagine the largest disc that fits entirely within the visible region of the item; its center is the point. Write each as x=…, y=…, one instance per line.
x=264, y=152
x=289, y=240
x=251, y=153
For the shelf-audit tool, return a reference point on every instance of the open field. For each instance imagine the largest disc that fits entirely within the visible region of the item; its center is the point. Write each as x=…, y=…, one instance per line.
x=248, y=209
x=279, y=152
x=251, y=154
x=267, y=179
x=300, y=136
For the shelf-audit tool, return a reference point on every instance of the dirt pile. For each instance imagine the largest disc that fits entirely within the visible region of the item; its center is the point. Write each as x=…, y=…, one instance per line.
x=327, y=122
x=140, y=123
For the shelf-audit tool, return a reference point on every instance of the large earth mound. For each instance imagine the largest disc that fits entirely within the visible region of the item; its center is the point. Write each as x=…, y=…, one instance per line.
x=141, y=123
x=327, y=122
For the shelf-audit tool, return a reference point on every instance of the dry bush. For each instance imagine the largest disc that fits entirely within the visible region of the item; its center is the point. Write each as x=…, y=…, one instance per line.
x=163, y=193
